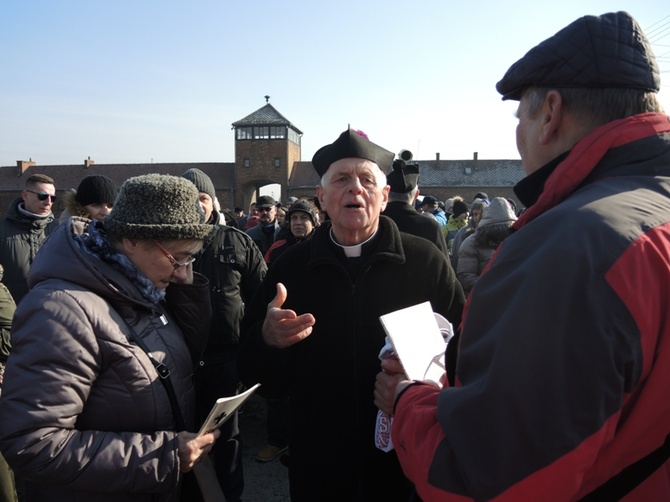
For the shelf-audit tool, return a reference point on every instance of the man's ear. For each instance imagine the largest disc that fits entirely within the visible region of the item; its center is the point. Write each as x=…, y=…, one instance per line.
x=552, y=111
x=385, y=196
x=319, y=194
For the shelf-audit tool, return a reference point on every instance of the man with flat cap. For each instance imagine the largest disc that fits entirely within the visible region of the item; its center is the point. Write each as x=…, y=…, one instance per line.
x=564, y=361
x=314, y=330
x=267, y=229
x=403, y=182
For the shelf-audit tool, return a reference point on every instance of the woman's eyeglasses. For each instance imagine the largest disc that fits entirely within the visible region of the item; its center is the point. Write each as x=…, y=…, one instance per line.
x=176, y=264
x=42, y=196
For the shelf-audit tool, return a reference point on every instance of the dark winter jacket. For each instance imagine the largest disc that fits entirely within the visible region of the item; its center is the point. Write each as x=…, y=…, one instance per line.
x=261, y=238
x=20, y=238
x=330, y=375
x=235, y=269
x=409, y=220
x=84, y=415
x=285, y=240
x=7, y=309
x=565, y=348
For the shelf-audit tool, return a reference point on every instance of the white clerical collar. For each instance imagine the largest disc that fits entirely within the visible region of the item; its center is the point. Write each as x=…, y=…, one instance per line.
x=351, y=251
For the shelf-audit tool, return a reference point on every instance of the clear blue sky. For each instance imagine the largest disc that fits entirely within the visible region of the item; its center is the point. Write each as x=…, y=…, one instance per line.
x=136, y=81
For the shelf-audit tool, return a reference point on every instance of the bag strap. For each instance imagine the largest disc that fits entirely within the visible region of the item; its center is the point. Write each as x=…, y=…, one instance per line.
x=204, y=471
x=623, y=483
x=164, y=375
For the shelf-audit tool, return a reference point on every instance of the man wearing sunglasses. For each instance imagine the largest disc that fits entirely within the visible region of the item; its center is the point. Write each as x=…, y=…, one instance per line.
x=27, y=223
x=267, y=229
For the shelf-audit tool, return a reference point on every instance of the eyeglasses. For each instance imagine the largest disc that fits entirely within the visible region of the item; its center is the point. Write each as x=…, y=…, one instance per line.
x=43, y=195
x=177, y=265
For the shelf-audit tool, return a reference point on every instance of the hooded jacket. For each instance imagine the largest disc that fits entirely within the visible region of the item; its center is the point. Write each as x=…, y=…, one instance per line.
x=564, y=359
x=84, y=415
x=477, y=249
x=20, y=238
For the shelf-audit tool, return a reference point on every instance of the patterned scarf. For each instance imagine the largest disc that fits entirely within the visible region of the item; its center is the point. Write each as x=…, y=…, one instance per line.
x=95, y=243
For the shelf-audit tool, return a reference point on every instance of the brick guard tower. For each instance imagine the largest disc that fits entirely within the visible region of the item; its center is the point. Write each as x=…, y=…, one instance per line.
x=266, y=147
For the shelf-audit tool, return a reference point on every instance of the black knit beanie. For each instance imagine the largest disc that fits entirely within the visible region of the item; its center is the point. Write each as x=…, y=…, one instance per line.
x=157, y=207
x=96, y=189
x=460, y=207
x=201, y=181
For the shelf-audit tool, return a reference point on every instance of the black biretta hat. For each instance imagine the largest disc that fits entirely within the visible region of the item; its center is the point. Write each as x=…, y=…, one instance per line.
x=404, y=177
x=608, y=51
x=351, y=144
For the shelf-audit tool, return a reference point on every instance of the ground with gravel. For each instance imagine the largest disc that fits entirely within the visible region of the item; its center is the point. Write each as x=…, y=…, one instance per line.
x=263, y=482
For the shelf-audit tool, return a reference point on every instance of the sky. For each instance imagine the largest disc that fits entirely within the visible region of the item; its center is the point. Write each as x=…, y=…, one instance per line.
x=141, y=81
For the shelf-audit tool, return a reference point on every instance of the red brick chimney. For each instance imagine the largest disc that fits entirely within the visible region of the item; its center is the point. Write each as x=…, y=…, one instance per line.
x=88, y=162
x=23, y=165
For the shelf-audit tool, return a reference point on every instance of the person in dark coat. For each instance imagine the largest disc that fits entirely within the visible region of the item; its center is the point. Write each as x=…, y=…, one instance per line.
x=7, y=309
x=564, y=357
x=266, y=230
x=403, y=181
x=314, y=333
x=85, y=413
x=235, y=269
x=28, y=222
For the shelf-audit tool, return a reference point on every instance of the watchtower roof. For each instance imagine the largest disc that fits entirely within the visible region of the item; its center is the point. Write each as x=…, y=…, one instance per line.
x=265, y=116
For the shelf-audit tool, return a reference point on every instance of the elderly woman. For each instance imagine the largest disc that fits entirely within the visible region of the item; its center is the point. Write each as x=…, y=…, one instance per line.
x=93, y=198
x=84, y=414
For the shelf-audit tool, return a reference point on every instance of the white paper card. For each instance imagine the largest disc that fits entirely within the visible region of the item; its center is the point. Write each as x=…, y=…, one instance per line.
x=418, y=341
x=223, y=409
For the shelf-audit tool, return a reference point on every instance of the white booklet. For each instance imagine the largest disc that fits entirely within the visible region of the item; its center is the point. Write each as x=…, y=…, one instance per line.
x=223, y=409
x=419, y=337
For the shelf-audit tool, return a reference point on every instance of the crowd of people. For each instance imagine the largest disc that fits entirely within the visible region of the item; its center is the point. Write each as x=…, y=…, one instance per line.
x=125, y=319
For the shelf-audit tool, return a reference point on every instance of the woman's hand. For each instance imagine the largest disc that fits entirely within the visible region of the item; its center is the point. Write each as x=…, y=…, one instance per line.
x=192, y=448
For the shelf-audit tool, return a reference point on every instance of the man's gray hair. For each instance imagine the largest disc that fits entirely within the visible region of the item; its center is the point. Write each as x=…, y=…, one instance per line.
x=403, y=197
x=597, y=106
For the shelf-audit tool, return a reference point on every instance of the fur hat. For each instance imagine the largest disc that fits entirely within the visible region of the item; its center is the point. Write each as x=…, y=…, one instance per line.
x=157, y=207
x=96, y=189
x=404, y=177
x=460, y=208
x=351, y=143
x=201, y=181
x=305, y=207
x=608, y=51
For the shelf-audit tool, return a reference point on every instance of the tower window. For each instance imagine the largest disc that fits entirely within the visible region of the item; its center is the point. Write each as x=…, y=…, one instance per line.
x=278, y=132
x=277, y=162
x=244, y=133
x=246, y=163
x=261, y=132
